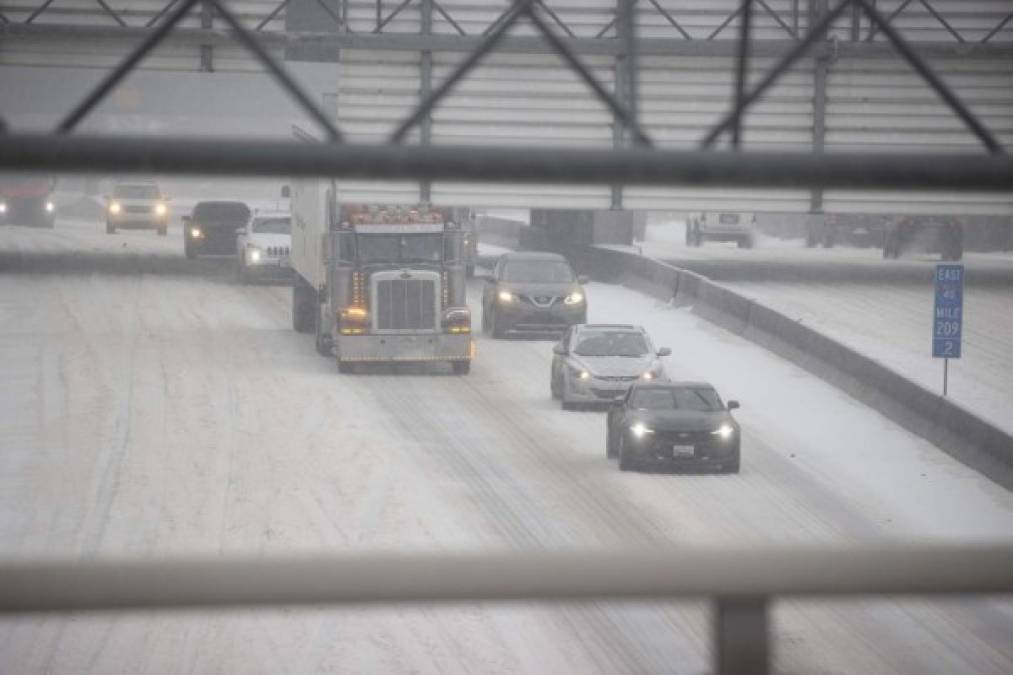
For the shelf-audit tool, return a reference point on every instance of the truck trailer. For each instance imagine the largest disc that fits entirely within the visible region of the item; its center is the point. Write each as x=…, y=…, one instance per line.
x=378, y=284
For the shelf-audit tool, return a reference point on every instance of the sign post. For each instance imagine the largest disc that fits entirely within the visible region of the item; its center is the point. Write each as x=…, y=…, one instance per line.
x=948, y=316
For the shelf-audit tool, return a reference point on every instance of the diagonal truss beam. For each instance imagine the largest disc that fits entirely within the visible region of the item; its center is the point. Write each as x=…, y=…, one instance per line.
x=933, y=80
x=815, y=33
x=874, y=28
x=731, y=17
x=98, y=94
x=425, y=107
x=38, y=10
x=278, y=72
x=941, y=19
x=555, y=17
x=661, y=10
x=111, y=12
x=158, y=16
x=267, y=19
x=1002, y=24
x=446, y=15
x=390, y=17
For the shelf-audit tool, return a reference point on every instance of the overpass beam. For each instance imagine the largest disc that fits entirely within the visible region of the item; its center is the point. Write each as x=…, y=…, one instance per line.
x=821, y=66
x=207, y=20
x=425, y=91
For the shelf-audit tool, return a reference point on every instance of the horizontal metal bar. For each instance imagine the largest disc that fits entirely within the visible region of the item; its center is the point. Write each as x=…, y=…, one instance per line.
x=731, y=573
x=513, y=164
x=518, y=44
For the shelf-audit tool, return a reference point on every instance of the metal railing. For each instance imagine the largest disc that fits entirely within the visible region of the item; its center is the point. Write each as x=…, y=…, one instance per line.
x=742, y=582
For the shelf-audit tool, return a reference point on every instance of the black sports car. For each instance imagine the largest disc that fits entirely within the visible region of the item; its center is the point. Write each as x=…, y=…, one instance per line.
x=673, y=424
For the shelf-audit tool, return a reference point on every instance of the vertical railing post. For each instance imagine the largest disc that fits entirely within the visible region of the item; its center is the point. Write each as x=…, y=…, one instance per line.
x=626, y=72
x=425, y=90
x=207, y=20
x=742, y=69
x=821, y=66
x=741, y=639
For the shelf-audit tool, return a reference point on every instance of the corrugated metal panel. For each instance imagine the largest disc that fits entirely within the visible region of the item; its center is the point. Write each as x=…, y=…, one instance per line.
x=882, y=105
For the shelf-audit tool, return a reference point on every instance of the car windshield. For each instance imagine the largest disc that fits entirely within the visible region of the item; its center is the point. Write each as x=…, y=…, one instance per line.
x=615, y=343
x=538, y=271
x=236, y=212
x=681, y=398
x=136, y=191
x=400, y=247
x=272, y=225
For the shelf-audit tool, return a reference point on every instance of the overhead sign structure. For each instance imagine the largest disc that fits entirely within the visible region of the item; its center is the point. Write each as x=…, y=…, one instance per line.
x=948, y=316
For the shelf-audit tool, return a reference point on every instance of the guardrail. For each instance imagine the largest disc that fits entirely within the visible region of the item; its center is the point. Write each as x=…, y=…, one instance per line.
x=961, y=433
x=741, y=581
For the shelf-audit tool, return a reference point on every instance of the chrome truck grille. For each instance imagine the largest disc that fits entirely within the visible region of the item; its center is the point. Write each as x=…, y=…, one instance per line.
x=406, y=300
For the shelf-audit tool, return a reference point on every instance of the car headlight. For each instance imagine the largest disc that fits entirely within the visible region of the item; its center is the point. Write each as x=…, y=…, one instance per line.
x=640, y=430
x=649, y=375
x=253, y=254
x=160, y=209
x=506, y=297
x=196, y=233
x=50, y=207
x=115, y=208
x=574, y=298
x=580, y=374
x=724, y=432
x=3, y=207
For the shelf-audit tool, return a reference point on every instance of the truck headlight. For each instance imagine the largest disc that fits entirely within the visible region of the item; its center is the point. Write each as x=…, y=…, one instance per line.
x=50, y=207
x=160, y=209
x=506, y=297
x=574, y=298
x=115, y=208
x=724, y=432
x=639, y=430
x=3, y=207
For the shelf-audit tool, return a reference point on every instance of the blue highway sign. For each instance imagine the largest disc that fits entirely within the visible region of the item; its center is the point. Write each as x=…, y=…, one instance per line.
x=948, y=312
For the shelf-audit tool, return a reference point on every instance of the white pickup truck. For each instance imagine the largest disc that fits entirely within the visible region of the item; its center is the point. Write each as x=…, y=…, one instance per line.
x=734, y=226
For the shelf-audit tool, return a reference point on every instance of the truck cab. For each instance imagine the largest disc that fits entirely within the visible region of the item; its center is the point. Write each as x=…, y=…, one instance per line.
x=390, y=284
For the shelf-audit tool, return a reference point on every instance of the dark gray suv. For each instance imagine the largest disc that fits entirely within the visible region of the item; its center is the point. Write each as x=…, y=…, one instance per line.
x=532, y=293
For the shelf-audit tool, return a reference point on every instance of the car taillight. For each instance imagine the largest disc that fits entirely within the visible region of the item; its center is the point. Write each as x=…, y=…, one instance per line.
x=457, y=320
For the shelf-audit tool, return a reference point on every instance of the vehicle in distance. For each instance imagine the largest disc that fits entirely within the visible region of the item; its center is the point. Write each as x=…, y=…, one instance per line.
x=211, y=229
x=263, y=246
x=26, y=199
x=856, y=229
x=721, y=226
x=595, y=363
x=378, y=284
x=532, y=292
x=137, y=205
x=673, y=424
x=936, y=234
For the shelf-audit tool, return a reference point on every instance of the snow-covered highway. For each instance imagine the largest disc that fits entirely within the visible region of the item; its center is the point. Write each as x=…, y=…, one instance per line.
x=150, y=415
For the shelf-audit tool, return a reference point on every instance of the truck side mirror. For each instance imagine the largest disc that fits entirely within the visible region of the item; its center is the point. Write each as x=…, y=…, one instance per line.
x=664, y=351
x=732, y=405
x=286, y=191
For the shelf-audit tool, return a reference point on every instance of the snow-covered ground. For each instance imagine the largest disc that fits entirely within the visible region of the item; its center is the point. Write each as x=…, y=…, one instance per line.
x=153, y=415
x=877, y=310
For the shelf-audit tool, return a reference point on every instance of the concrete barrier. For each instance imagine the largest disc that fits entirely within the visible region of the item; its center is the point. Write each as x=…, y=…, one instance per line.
x=950, y=426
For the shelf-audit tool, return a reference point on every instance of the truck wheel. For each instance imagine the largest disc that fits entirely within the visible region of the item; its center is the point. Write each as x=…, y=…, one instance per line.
x=324, y=343
x=461, y=367
x=303, y=306
x=732, y=466
x=110, y=228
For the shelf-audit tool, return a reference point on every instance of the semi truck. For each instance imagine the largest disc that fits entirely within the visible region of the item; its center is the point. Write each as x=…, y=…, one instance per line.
x=378, y=284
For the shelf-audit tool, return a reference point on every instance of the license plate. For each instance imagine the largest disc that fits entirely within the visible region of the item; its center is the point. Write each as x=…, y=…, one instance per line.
x=683, y=451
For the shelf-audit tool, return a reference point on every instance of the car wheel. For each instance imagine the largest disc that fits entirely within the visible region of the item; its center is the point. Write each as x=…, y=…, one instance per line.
x=610, y=445
x=625, y=461
x=322, y=342
x=732, y=466
x=461, y=367
x=554, y=387
x=110, y=228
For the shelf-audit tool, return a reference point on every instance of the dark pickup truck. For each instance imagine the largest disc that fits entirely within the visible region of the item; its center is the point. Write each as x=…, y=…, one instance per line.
x=211, y=228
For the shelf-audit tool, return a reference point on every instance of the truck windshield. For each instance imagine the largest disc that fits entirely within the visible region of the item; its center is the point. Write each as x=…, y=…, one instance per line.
x=400, y=247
